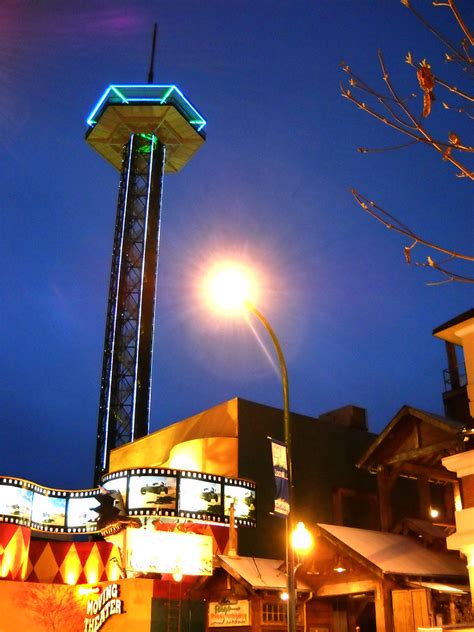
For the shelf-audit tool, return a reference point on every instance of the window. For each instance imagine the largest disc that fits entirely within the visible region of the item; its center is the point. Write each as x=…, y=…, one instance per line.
x=274, y=612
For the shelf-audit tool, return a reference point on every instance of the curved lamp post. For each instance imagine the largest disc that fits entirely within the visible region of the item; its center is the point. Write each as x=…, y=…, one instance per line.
x=230, y=289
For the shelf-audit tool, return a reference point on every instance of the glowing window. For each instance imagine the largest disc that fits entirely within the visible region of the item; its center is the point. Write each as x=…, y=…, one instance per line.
x=274, y=612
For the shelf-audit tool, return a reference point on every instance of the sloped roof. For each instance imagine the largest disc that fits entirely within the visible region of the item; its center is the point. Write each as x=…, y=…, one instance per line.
x=427, y=530
x=449, y=330
x=259, y=573
x=395, y=554
x=450, y=426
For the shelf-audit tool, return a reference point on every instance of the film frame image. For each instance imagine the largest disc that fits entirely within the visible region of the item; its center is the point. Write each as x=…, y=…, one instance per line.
x=152, y=492
x=200, y=496
x=48, y=511
x=80, y=512
x=243, y=499
x=16, y=501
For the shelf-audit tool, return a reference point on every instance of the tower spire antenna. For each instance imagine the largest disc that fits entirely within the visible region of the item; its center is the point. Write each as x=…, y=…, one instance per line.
x=152, y=57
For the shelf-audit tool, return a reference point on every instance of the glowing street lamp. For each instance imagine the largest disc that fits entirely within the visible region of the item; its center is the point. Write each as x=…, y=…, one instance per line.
x=301, y=540
x=231, y=288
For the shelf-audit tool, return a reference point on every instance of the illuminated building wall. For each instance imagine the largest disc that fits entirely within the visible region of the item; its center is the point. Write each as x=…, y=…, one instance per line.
x=39, y=607
x=236, y=434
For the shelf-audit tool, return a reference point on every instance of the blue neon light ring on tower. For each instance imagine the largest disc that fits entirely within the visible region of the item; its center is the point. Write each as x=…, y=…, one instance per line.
x=152, y=94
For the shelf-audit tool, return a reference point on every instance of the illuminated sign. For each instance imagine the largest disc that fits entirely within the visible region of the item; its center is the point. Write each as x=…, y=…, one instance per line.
x=184, y=494
x=136, y=493
x=169, y=552
x=229, y=614
x=101, y=608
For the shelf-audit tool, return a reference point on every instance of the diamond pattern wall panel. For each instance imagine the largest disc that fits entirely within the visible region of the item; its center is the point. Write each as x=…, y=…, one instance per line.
x=14, y=546
x=73, y=562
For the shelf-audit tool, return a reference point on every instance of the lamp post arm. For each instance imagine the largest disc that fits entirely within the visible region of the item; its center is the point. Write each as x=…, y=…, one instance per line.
x=284, y=372
x=290, y=556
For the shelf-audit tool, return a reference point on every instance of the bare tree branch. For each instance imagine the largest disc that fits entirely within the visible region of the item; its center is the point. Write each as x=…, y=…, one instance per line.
x=372, y=150
x=452, y=5
x=457, y=55
x=395, y=111
x=450, y=276
x=392, y=223
x=422, y=136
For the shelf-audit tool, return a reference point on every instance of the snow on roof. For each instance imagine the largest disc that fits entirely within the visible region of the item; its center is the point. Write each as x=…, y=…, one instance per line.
x=397, y=554
x=260, y=573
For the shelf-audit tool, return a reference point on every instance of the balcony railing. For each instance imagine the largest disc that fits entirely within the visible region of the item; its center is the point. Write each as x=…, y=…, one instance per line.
x=455, y=378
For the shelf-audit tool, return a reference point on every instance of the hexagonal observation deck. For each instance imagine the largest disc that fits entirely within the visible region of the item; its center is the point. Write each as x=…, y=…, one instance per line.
x=161, y=110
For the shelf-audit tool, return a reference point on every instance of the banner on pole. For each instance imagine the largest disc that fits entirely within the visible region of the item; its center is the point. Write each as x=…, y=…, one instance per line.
x=280, y=472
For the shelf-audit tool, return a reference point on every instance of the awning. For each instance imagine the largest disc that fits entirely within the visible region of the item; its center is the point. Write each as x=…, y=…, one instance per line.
x=394, y=554
x=259, y=573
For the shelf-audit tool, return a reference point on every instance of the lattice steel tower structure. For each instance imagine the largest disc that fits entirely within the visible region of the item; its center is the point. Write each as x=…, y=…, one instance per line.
x=144, y=131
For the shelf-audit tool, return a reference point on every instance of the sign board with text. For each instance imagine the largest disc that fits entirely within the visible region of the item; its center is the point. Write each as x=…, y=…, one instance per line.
x=223, y=615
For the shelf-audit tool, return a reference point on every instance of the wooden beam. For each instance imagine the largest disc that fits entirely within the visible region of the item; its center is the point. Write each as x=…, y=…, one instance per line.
x=411, y=469
x=385, y=483
x=347, y=588
x=424, y=497
x=420, y=452
x=383, y=608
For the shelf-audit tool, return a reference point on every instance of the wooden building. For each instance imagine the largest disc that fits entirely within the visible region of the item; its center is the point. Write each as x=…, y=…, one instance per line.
x=354, y=578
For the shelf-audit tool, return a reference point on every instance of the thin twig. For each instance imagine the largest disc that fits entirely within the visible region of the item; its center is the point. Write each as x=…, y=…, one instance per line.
x=380, y=214
x=373, y=150
x=452, y=5
x=452, y=276
x=453, y=89
x=441, y=82
x=424, y=138
x=461, y=56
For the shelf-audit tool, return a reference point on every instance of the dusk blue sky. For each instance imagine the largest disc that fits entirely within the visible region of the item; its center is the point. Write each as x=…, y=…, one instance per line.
x=271, y=187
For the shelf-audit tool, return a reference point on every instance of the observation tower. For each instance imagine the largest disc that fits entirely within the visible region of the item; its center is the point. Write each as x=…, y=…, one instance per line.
x=144, y=131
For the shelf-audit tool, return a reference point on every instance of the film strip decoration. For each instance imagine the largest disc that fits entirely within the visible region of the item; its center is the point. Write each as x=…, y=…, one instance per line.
x=137, y=493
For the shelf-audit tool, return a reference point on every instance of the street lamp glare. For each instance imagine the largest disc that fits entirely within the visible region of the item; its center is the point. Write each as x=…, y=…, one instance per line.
x=301, y=539
x=229, y=288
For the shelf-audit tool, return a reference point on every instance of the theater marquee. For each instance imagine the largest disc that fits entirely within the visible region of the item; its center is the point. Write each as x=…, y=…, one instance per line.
x=164, y=552
x=101, y=608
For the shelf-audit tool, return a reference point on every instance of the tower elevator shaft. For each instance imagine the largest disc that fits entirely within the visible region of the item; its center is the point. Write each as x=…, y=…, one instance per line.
x=125, y=392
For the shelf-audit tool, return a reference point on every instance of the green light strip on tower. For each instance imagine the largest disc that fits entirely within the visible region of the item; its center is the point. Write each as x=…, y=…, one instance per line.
x=167, y=94
x=119, y=94
x=201, y=124
x=147, y=148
